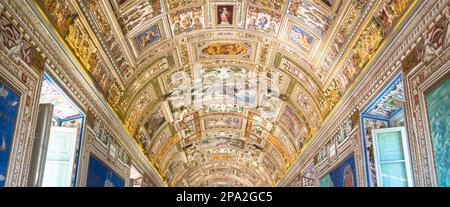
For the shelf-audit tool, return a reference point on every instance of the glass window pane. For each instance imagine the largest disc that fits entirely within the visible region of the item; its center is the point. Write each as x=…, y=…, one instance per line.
x=394, y=175
x=390, y=146
x=59, y=162
x=55, y=174
x=58, y=148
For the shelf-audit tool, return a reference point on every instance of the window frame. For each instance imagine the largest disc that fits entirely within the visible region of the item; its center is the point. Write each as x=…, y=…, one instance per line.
x=406, y=153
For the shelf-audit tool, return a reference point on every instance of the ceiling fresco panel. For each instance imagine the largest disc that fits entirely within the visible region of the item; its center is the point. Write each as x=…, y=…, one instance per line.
x=310, y=15
x=263, y=20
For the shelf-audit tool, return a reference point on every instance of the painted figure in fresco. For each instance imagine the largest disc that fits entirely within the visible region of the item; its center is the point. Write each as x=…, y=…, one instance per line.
x=434, y=41
x=252, y=21
x=224, y=16
x=262, y=22
x=224, y=49
x=147, y=37
x=390, y=13
x=302, y=38
x=3, y=146
x=108, y=182
x=198, y=19
x=176, y=24
x=12, y=41
x=348, y=177
x=187, y=22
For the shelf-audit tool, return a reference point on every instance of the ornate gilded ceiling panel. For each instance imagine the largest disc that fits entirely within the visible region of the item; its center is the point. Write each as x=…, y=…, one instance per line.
x=223, y=92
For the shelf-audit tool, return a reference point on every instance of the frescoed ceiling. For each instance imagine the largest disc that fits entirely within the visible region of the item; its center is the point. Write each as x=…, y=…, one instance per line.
x=139, y=54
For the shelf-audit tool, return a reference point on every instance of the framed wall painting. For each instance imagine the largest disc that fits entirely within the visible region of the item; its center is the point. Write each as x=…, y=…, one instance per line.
x=344, y=175
x=438, y=106
x=9, y=107
x=225, y=15
x=99, y=175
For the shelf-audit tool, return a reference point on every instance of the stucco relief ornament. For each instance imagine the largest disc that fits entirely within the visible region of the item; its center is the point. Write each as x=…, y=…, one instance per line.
x=12, y=41
x=341, y=135
x=348, y=127
x=332, y=94
x=434, y=41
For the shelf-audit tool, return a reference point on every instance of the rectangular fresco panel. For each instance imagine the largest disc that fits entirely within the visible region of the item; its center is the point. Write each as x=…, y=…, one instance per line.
x=99, y=175
x=438, y=107
x=342, y=176
x=310, y=15
x=187, y=20
x=263, y=20
x=391, y=102
x=225, y=15
x=9, y=106
x=148, y=37
x=301, y=38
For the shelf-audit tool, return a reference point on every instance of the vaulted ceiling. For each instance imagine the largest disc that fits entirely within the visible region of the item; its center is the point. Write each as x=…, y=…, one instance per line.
x=243, y=136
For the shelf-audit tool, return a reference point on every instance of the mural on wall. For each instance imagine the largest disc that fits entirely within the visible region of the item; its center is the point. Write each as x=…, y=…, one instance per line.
x=301, y=38
x=312, y=98
x=9, y=106
x=438, y=107
x=342, y=176
x=263, y=20
x=100, y=175
x=62, y=20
